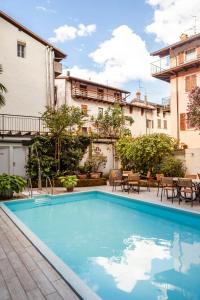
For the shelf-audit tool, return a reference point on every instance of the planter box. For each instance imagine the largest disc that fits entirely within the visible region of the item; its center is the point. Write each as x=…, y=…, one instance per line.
x=91, y=182
x=8, y=194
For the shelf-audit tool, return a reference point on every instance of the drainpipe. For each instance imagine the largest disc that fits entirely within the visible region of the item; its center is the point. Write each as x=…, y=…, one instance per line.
x=47, y=76
x=177, y=109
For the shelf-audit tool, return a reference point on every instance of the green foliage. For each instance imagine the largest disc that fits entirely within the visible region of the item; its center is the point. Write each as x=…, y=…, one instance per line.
x=12, y=182
x=146, y=152
x=72, y=151
x=95, y=162
x=68, y=181
x=193, y=107
x=3, y=90
x=112, y=123
x=61, y=121
x=172, y=167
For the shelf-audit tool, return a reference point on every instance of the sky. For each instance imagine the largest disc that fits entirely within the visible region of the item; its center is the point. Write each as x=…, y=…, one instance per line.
x=110, y=41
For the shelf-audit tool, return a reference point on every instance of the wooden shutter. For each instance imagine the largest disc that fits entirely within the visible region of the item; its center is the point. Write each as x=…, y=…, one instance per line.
x=198, y=52
x=181, y=58
x=193, y=81
x=187, y=83
x=183, y=121
x=84, y=109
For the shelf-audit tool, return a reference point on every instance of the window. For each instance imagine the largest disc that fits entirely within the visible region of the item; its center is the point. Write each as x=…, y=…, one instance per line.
x=100, y=111
x=100, y=93
x=190, y=82
x=84, y=109
x=55, y=96
x=117, y=97
x=21, y=49
x=165, y=124
x=149, y=123
x=158, y=112
x=190, y=55
x=180, y=58
x=84, y=130
x=142, y=111
x=159, y=123
x=83, y=90
x=164, y=114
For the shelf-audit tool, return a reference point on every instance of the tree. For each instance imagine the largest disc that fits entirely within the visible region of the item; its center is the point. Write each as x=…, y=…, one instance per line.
x=3, y=90
x=112, y=123
x=62, y=122
x=193, y=108
x=145, y=152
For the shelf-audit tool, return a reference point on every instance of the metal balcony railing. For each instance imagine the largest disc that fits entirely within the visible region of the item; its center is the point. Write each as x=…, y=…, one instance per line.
x=19, y=124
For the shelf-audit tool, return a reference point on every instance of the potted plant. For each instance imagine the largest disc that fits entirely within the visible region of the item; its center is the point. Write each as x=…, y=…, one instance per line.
x=82, y=172
x=95, y=163
x=69, y=182
x=10, y=184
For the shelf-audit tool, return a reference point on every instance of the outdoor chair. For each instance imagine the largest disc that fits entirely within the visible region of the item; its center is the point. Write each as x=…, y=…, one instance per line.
x=167, y=185
x=113, y=174
x=134, y=181
x=159, y=176
x=198, y=175
x=146, y=180
x=186, y=186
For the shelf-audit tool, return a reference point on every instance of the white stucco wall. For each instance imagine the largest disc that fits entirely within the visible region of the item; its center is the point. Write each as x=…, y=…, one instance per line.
x=25, y=78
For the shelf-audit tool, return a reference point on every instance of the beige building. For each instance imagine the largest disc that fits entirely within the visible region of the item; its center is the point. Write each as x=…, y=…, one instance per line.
x=94, y=98
x=179, y=64
x=30, y=65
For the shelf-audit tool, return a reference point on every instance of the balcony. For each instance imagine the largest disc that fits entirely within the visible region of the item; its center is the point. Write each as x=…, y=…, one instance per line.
x=166, y=67
x=19, y=125
x=57, y=68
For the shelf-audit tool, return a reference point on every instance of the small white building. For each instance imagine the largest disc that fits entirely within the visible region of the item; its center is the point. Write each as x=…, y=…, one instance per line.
x=30, y=65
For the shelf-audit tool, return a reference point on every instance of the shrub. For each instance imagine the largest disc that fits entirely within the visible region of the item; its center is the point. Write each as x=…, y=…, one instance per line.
x=12, y=183
x=172, y=167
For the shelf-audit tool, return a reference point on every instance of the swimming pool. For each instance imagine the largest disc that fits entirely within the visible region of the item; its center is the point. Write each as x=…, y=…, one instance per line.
x=120, y=248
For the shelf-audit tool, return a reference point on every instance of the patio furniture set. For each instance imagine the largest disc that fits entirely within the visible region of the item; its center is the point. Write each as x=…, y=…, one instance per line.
x=183, y=189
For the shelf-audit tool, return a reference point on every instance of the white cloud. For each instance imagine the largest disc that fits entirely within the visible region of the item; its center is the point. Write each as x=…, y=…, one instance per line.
x=172, y=18
x=121, y=59
x=66, y=32
x=45, y=9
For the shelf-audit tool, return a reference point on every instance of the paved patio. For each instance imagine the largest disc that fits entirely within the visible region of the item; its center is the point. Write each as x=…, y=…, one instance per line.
x=26, y=274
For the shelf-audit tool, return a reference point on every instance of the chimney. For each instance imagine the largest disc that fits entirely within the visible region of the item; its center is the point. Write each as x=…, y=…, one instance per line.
x=145, y=99
x=68, y=73
x=138, y=95
x=183, y=37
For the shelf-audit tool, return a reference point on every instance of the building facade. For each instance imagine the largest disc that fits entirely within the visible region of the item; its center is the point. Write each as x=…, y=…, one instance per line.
x=94, y=99
x=179, y=64
x=30, y=65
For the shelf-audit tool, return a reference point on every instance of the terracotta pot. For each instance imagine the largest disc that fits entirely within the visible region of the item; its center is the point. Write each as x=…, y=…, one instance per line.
x=95, y=175
x=70, y=189
x=82, y=176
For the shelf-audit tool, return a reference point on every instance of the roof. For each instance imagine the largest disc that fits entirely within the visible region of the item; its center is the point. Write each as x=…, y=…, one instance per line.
x=69, y=78
x=141, y=104
x=165, y=51
x=58, y=53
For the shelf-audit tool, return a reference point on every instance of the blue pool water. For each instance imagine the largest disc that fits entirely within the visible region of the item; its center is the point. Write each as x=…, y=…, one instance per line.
x=121, y=249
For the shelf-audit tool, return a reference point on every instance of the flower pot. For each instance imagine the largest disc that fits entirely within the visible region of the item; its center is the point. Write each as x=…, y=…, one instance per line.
x=82, y=176
x=7, y=194
x=70, y=189
x=95, y=175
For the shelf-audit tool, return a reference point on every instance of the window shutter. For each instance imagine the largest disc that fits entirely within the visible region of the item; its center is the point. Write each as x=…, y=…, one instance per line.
x=198, y=52
x=187, y=83
x=181, y=58
x=193, y=81
x=183, y=121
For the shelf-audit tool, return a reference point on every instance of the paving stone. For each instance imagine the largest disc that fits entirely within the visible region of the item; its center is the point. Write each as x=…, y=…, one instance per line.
x=34, y=254
x=6, y=269
x=15, y=260
x=64, y=290
x=15, y=289
x=28, y=261
x=35, y=295
x=26, y=280
x=48, y=270
x=43, y=283
x=54, y=296
x=2, y=253
x=4, y=294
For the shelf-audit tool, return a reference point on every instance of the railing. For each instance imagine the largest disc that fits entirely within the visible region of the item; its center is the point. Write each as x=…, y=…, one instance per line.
x=21, y=124
x=48, y=180
x=167, y=63
x=57, y=67
x=166, y=101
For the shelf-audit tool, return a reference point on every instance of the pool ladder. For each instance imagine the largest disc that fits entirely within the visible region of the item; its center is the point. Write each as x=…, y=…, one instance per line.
x=30, y=187
x=48, y=180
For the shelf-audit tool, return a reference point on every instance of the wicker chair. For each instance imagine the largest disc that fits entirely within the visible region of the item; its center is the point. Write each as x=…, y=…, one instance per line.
x=116, y=179
x=146, y=180
x=133, y=181
x=185, y=186
x=167, y=185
